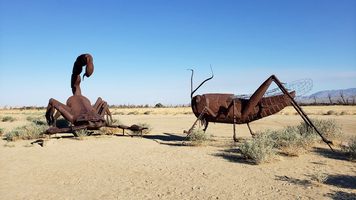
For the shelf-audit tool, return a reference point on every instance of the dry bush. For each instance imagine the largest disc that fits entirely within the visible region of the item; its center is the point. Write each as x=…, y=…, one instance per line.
x=331, y=112
x=118, y=113
x=8, y=119
x=197, y=137
x=290, y=141
x=319, y=176
x=80, y=134
x=350, y=148
x=1, y=131
x=133, y=113
x=36, y=120
x=328, y=128
x=27, y=132
x=259, y=149
x=147, y=112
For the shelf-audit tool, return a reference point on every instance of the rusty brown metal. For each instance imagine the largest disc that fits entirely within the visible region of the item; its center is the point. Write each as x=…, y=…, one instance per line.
x=231, y=109
x=78, y=109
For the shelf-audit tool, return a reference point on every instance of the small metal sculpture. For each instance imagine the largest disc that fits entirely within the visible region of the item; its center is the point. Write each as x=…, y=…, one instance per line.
x=78, y=110
x=231, y=109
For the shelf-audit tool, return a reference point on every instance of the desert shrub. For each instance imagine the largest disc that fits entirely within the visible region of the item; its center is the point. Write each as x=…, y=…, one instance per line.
x=343, y=113
x=8, y=119
x=1, y=131
x=319, y=176
x=330, y=112
x=27, y=132
x=133, y=113
x=350, y=148
x=197, y=136
x=328, y=128
x=290, y=141
x=147, y=112
x=118, y=113
x=36, y=120
x=259, y=149
x=80, y=134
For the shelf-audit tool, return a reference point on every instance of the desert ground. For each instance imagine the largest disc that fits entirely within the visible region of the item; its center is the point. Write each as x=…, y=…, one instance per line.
x=160, y=165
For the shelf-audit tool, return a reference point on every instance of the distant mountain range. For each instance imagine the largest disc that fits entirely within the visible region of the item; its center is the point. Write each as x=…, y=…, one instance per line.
x=335, y=96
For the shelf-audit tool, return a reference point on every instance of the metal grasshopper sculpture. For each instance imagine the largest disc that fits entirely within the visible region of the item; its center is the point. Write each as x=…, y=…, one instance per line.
x=232, y=109
x=78, y=110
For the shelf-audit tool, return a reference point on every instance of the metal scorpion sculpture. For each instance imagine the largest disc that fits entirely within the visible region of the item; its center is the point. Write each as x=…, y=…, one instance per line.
x=231, y=109
x=78, y=110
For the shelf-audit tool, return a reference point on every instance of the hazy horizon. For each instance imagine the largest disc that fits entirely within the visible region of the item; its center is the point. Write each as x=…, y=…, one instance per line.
x=141, y=49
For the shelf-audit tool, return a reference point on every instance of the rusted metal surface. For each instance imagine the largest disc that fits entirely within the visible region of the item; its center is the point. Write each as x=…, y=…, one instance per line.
x=230, y=109
x=78, y=109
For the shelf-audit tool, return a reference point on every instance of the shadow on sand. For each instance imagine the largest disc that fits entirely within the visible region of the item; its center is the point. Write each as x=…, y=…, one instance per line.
x=337, y=155
x=337, y=195
x=168, y=139
x=342, y=181
x=233, y=155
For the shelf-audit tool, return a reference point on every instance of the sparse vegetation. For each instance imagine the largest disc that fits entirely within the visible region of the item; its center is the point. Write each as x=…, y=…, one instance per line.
x=36, y=120
x=328, y=128
x=8, y=119
x=319, y=176
x=147, y=112
x=289, y=140
x=27, y=132
x=259, y=149
x=80, y=134
x=1, y=131
x=331, y=112
x=133, y=113
x=350, y=148
x=198, y=137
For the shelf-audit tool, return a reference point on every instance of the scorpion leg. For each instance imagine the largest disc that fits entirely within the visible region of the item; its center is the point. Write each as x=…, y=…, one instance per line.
x=102, y=108
x=63, y=109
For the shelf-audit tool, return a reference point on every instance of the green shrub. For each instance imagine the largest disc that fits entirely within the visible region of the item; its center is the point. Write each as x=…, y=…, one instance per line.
x=197, y=136
x=259, y=149
x=27, y=132
x=8, y=119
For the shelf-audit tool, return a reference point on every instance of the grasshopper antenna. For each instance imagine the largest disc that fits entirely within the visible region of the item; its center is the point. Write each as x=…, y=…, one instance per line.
x=192, y=92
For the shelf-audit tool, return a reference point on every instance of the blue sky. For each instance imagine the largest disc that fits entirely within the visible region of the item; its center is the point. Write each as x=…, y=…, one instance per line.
x=142, y=49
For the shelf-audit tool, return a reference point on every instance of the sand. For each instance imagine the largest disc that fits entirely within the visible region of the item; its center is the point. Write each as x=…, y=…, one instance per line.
x=158, y=166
